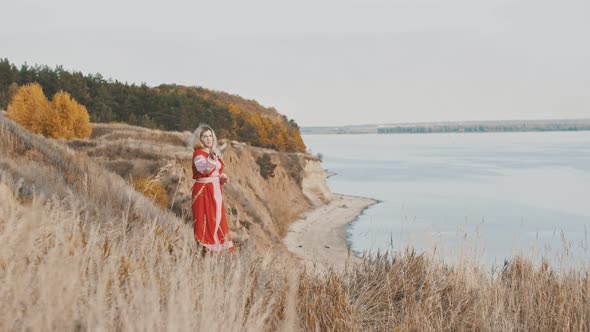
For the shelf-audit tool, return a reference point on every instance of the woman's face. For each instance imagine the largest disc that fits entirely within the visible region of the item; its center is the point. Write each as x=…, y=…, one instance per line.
x=207, y=139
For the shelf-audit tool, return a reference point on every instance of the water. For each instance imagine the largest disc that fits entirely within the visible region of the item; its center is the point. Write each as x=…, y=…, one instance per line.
x=482, y=196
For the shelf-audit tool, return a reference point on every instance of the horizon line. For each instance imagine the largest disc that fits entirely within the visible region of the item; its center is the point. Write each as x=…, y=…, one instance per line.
x=446, y=121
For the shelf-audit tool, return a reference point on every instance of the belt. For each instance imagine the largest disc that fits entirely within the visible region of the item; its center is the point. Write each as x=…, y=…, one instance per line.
x=209, y=179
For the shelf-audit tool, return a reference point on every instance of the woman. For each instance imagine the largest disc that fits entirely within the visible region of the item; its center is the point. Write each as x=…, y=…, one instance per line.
x=210, y=223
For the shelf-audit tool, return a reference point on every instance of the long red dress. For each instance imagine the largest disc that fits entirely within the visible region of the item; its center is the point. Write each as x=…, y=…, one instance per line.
x=209, y=219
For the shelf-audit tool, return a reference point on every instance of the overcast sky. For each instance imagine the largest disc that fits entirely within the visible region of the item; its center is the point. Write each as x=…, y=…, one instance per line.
x=328, y=62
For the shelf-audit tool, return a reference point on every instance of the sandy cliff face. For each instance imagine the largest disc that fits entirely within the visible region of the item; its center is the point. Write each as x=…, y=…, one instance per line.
x=258, y=210
x=314, y=184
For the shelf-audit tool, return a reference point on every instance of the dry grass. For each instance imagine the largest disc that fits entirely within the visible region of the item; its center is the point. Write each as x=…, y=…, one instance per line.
x=61, y=270
x=52, y=168
x=119, y=140
x=410, y=292
x=81, y=250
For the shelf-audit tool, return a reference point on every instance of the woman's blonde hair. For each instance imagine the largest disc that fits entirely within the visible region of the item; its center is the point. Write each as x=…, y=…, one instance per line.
x=195, y=140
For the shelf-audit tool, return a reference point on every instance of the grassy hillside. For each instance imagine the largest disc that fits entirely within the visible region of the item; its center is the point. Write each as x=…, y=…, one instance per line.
x=82, y=250
x=167, y=106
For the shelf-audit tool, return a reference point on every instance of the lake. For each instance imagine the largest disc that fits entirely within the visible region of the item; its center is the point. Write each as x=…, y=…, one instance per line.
x=477, y=196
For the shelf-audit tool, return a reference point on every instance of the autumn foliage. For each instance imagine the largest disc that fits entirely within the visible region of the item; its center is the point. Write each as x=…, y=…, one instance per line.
x=30, y=108
x=63, y=117
x=265, y=131
x=73, y=117
x=167, y=106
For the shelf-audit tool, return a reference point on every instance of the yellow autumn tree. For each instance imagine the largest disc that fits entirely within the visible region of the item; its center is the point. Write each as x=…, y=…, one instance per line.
x=62, y=106
x=30, y=108
x=81, y=120
x=62, y=118
x=237, y=121
x=73, y=118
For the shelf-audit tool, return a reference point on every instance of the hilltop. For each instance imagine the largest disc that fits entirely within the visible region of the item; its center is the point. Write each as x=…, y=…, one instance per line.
x=167, y=106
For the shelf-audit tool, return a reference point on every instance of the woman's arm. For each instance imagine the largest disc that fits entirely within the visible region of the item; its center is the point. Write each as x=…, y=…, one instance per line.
x=205, y=165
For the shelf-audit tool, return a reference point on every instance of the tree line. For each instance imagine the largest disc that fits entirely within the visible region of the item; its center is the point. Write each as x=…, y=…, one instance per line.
x=571, y=125
x=167, y=106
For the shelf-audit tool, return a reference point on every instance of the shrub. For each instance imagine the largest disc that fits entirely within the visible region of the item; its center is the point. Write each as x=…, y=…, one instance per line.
x=267, y=167
x=293, y=166
x=152, y=189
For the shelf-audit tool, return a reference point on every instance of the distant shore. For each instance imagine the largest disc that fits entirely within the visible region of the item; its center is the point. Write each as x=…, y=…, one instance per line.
x=455, y=127
x=319, y=238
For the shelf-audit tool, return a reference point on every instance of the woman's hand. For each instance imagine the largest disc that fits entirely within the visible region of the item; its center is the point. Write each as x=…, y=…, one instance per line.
x=212, y=154
x=223, y=178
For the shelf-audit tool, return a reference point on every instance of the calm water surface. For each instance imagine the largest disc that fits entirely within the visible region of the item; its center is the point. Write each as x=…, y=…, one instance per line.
x=481, y=196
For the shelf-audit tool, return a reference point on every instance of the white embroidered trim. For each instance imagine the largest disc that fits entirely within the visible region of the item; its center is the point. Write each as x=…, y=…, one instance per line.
x=219, y=247
x=205, y=165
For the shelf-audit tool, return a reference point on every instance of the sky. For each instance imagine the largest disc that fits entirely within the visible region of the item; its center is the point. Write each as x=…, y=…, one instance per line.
x=328, y=63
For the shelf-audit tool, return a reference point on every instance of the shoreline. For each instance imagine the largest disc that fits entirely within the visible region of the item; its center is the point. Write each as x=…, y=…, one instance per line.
x=319, y=237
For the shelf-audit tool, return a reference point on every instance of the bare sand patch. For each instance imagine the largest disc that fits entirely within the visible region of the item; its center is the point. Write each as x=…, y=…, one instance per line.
x=319, y=237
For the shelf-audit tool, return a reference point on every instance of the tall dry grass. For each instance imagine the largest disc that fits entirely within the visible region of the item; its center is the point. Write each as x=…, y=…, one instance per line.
x=411, y=292
x=61, y=270
x=88, y=252
x=53, y=168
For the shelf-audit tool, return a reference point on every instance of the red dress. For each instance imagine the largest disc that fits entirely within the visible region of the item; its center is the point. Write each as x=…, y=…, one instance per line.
x=209, y=219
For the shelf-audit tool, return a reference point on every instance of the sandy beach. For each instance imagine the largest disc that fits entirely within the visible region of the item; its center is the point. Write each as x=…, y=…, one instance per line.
x=319, y=238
